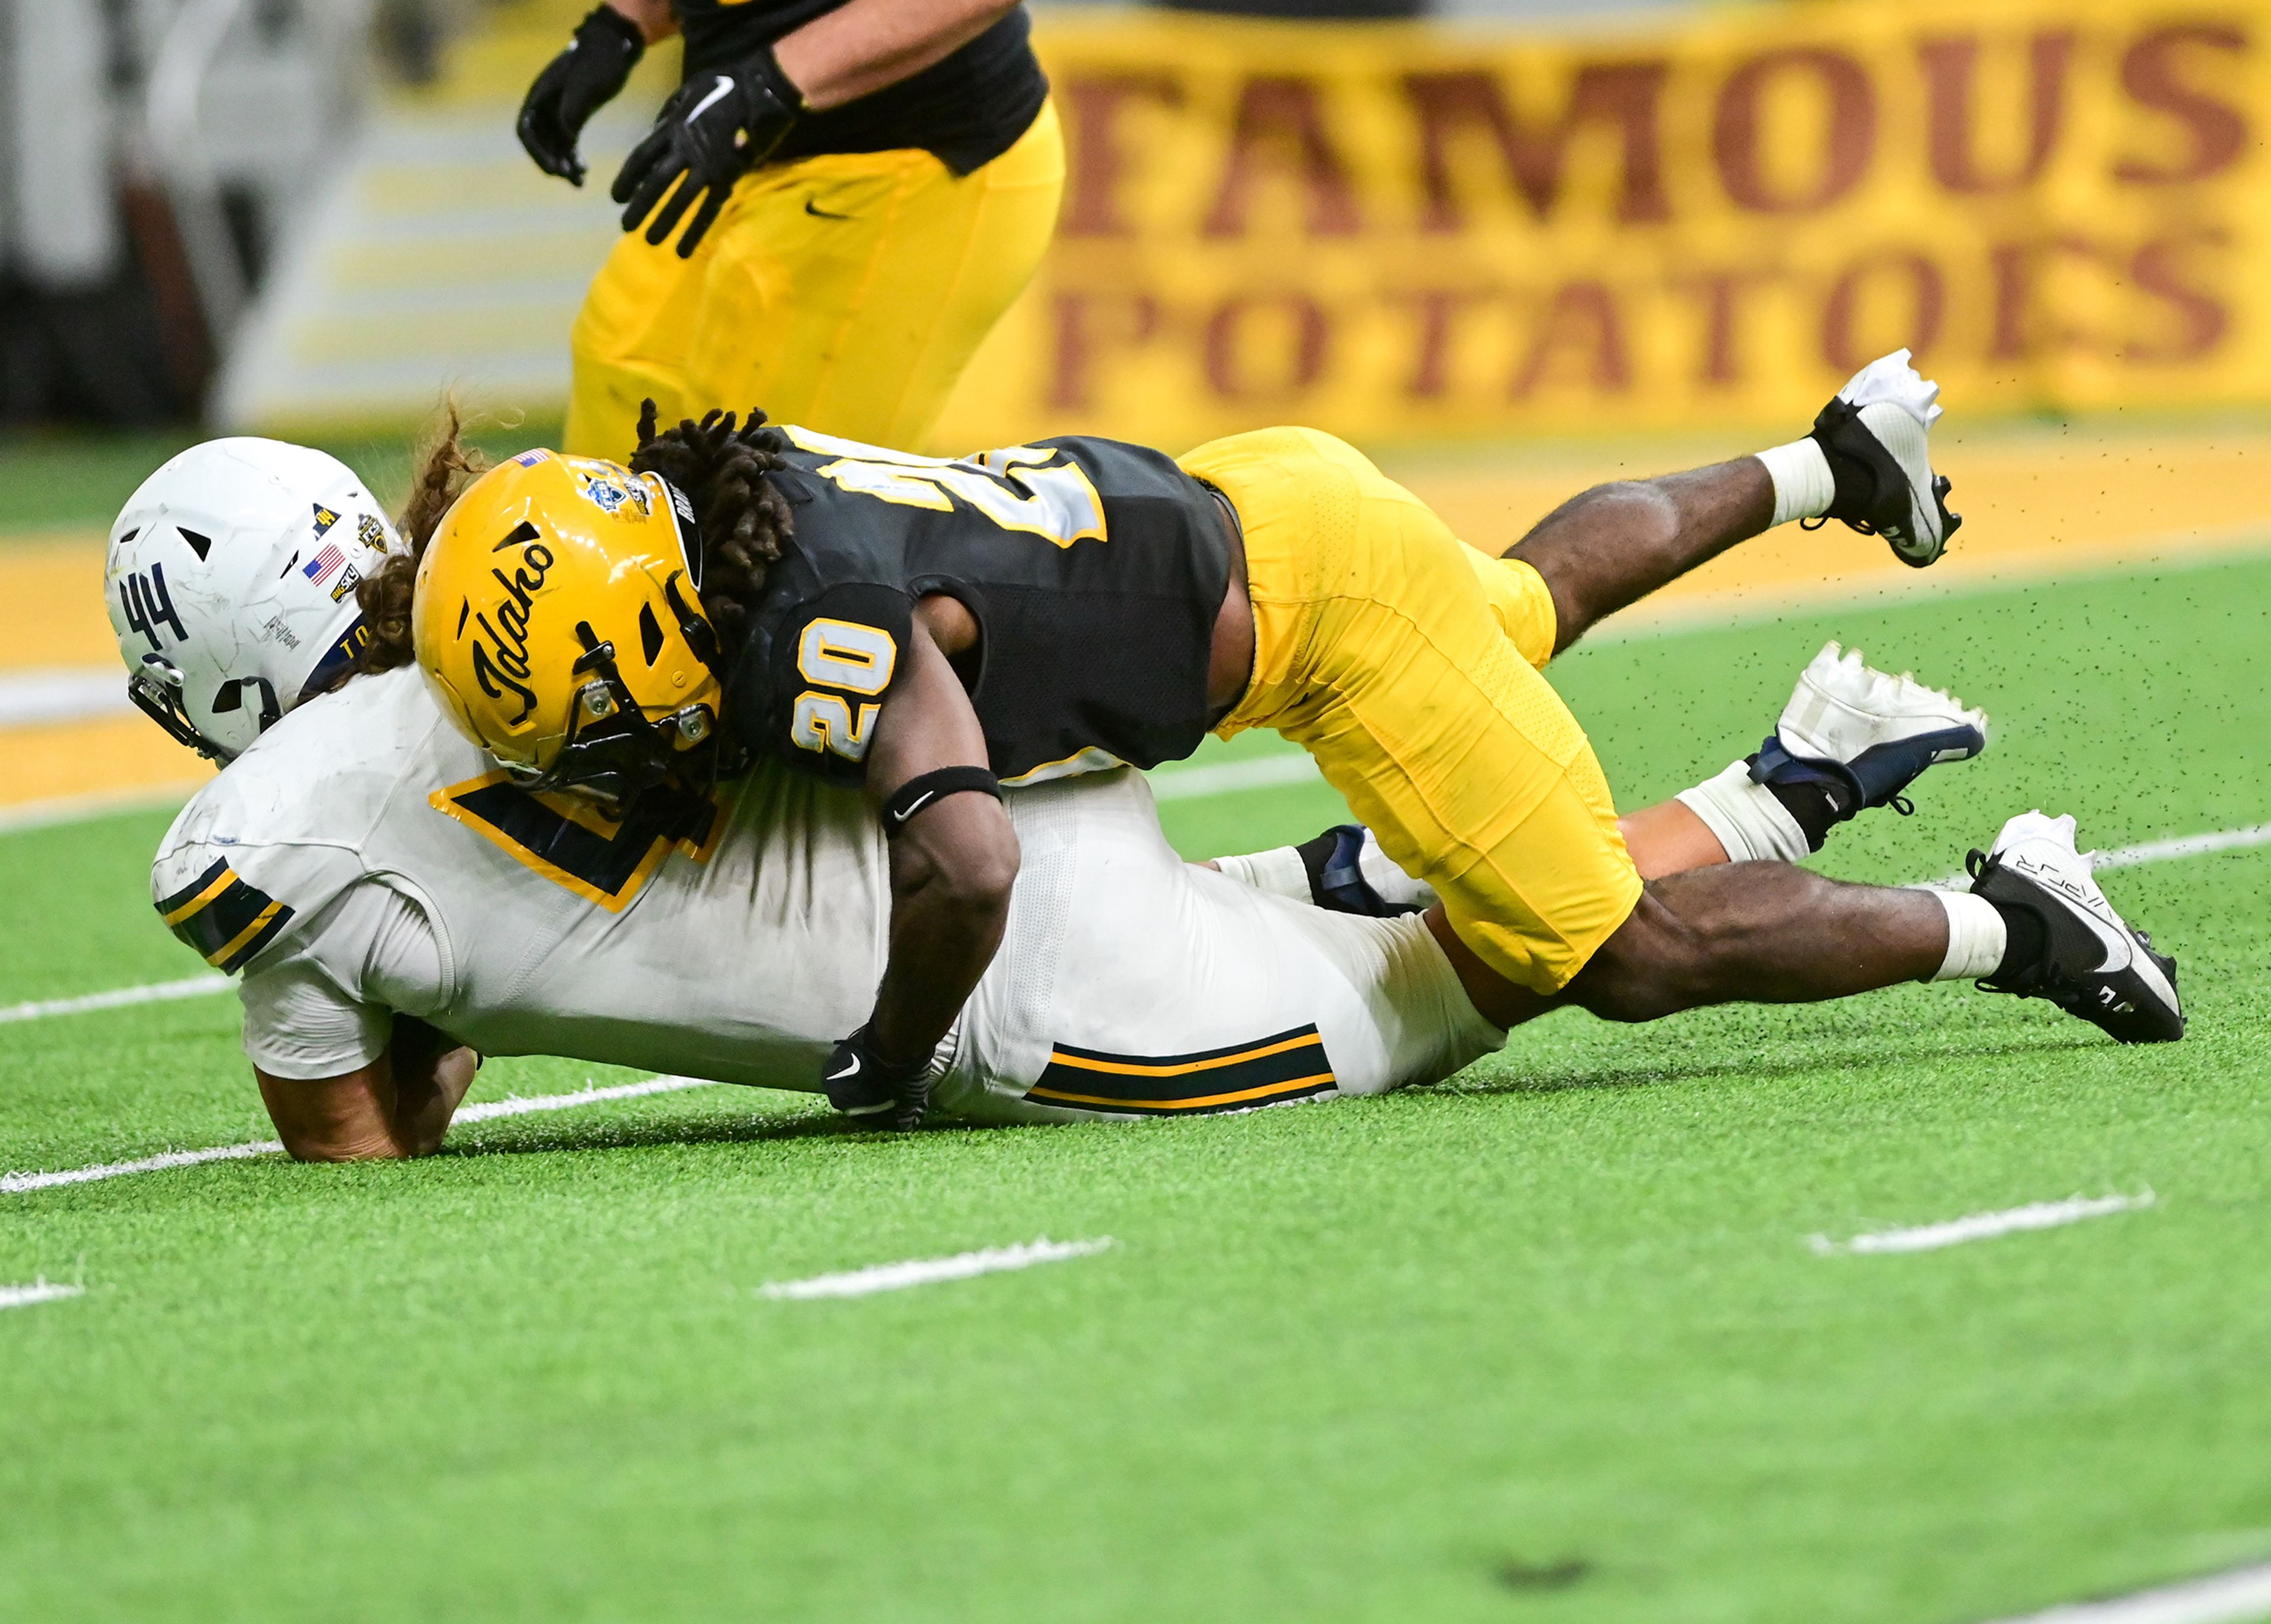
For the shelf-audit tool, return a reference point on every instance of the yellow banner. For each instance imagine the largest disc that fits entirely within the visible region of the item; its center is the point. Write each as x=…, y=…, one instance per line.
x=1400, y=232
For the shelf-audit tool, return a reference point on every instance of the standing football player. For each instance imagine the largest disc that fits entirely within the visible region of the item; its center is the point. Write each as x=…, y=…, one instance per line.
x=941, y=628
x=833, y=210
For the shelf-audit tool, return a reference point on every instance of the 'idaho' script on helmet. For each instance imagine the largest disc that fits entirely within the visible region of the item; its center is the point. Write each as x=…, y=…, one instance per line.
x=501, y=652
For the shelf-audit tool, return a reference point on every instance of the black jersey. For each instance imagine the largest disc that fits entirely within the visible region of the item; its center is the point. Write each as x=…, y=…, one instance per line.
x=967, y=109
x=1094, y=569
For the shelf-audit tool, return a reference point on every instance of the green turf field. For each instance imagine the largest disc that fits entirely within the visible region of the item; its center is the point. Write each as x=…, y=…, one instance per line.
x=1548, y=1343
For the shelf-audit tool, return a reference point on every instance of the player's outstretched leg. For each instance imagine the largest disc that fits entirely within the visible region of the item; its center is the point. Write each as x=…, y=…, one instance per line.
x=2035, y=923
x=1867, y=463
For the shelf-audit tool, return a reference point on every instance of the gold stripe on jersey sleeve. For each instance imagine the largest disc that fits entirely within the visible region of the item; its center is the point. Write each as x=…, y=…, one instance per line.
x=223, y=878
x=220, y=957
x=1177, y=1068
x=222, y=918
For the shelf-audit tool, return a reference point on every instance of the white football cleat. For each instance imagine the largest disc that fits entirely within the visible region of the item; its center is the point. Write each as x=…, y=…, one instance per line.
x=2092, y=964
x=1864, y=735
x=1877, y=437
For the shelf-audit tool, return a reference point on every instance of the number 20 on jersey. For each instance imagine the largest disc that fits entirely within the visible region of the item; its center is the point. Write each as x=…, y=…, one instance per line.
x=857, y=663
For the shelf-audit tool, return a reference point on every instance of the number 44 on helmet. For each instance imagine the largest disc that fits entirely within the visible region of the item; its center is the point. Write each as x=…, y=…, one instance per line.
x=231, y=580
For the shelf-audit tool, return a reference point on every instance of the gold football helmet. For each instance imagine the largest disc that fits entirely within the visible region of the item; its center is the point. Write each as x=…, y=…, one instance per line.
x=557, y=619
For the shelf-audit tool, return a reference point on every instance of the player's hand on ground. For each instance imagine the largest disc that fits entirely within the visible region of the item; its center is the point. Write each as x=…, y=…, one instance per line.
x=575, y=85
x=862, y=1084
x=716, y=127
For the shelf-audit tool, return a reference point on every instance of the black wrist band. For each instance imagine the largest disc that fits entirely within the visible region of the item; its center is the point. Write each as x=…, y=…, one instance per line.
x=926, y=789
x=765, y=67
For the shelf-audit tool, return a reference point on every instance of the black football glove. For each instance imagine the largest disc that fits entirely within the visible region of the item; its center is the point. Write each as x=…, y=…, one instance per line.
x=861, y=1085
x=575, y=85
x=716, y=127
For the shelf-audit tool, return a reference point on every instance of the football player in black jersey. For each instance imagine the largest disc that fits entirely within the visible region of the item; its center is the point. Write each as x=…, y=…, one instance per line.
x=943, y=627
x=867, y=184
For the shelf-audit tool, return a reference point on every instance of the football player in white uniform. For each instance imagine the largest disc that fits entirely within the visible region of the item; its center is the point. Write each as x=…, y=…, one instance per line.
x=379, y=881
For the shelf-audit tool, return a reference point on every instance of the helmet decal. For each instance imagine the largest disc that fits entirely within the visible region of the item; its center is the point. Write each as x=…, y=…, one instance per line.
x=501, y=663
x=232, y=565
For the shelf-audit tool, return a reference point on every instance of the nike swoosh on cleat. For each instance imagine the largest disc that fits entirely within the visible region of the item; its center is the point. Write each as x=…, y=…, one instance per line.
x=851, y=1070
x=2095, y=912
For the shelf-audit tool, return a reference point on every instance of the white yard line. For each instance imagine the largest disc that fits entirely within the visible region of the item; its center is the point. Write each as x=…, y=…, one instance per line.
x=47, y=693
x=2184, y=846
x=1985, y=1225
x=2240, y=1596
x=1262, y=773
x=932, y=1270
x=85, y=808
x=39, y=1291
x=156, y=992
x=518, y=1106
x=18, y=1183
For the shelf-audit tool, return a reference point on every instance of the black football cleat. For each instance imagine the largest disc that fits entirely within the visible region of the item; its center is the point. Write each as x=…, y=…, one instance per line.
x=1877, y=437
x=2093, y=965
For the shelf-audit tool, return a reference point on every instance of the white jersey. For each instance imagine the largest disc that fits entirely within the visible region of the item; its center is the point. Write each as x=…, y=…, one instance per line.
x=363, y=860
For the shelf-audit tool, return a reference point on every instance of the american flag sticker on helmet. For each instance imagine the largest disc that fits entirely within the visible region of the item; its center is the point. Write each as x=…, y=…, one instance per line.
x=319, y=568
x=529, y=459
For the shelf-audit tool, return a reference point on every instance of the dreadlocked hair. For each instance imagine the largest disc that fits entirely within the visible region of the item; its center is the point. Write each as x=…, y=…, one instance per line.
x=445, y=466
x=744, y=519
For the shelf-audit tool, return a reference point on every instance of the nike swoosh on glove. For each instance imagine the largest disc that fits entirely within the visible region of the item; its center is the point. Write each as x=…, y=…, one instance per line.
x=714, y=128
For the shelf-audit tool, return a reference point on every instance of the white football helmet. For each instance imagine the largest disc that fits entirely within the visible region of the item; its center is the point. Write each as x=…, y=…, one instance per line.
x=231, y=584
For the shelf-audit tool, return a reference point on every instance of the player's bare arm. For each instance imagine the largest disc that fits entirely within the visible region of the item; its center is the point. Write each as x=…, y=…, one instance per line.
x=654, y=19
x=396, y=1108
x=870, y=45
x=953, y=859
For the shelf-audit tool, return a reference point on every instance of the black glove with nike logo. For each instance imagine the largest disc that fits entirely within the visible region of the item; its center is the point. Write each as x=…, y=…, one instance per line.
x=714, y=128
x=861, y=1084
x=575, y=85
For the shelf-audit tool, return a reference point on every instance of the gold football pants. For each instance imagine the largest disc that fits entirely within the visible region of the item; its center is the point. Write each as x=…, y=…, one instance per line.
x=1406, y=663
x=843, y=293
